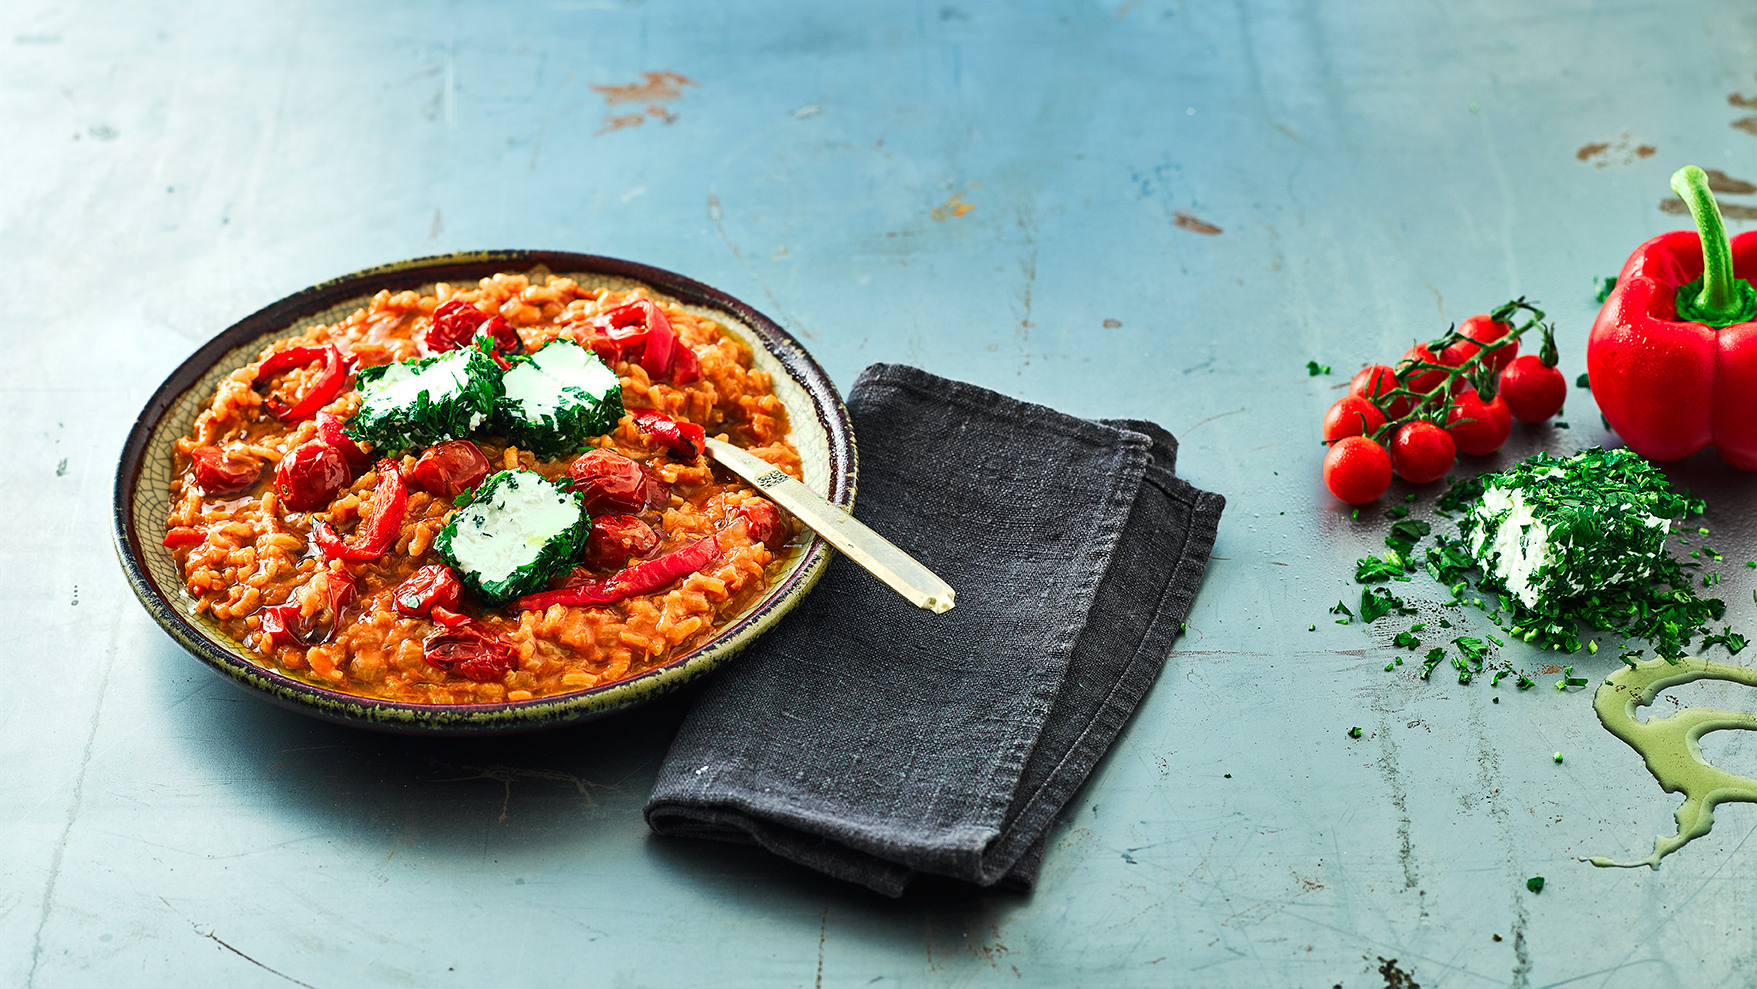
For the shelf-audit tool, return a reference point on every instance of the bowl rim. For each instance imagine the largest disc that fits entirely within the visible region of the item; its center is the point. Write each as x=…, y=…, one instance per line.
x=506, y=716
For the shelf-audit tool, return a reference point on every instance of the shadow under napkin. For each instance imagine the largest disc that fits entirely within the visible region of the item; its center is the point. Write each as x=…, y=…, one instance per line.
x=874, y=741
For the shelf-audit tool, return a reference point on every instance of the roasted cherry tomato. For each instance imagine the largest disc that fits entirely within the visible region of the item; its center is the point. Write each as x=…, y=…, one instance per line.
x=616, y=538
x=1533, y=391
x=612, y=484
x=1482, y=330
x=765, y=523
x=1375, y=380
x=1422, y=452
x=309, y=475
x=454, y=325
x=1479, y=427
x=1357, y=470
x=434, y=585
x=1351, y=416
x=450, y=468
x=329, y=430
x=470, y=650
x=220, y=473
x=506, y=339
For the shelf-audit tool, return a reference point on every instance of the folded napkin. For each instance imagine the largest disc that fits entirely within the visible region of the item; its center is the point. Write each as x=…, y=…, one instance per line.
x=874, y=741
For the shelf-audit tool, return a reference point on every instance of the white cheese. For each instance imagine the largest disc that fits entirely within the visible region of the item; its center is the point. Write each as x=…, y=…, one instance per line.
x=1516, y=547
x=498, y=536
x=400, y=386
x=537, y=387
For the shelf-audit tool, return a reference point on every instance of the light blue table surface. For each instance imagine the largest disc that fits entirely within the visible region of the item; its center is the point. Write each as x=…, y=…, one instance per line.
x=993, y=192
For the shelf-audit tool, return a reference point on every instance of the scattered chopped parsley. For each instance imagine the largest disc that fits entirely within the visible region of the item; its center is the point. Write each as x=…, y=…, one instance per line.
x=1558, y=757
x=1581, y=381
x=1602, y=287
x=1535, y=884
x=1313, y=368
x=1354, y=733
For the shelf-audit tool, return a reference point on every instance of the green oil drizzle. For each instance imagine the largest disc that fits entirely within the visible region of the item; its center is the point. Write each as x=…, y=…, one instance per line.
x=1669, y=745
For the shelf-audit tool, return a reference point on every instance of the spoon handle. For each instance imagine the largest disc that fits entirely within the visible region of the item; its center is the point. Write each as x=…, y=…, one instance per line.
x=877, y=554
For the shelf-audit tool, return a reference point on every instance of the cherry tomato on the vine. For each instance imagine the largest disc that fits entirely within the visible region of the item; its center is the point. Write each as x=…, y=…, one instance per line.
x=1424, y=381
x=1378, y=379
x=1479, y=427
x=1422, y=452
x=1481, y=330
x=1351, y=416
x=1533, y=391
x=1357, y=470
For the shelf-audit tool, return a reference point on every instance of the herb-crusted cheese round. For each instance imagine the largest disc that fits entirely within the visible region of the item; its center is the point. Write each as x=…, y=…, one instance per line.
x=520, y=530
x=1551, y=528
x=421, y=402
x=557, y=398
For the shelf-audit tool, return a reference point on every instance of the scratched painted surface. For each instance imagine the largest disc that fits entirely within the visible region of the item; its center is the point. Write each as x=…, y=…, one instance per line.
x=1147, y=209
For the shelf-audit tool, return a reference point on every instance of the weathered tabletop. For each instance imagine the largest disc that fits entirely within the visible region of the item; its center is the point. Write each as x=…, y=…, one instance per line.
x=1149, y=209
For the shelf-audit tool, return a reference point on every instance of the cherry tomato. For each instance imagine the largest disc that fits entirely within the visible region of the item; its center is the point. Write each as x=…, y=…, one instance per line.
x=1481, y=329
x=329, y=430
x=1357, y=470
x=1424, y=381
x=1533, y=392
x=1488, y=425
x=434, y=585
x=309, y=475
x=506, y=339
x=449, y=468
x=222, y=473
x=612, y=484
x=1375, y=380
x=1351, y=416
x=1422, y=452
x=454, y=325
x=765, y=523
x=471, y=651
x=616, y=538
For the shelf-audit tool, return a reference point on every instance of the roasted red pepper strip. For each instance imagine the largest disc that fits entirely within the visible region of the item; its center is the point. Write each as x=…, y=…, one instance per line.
x=322, y=391
x=681, y=436
x=638, y=579
x=182, y=536
x=384, y=519
x=1672, y=359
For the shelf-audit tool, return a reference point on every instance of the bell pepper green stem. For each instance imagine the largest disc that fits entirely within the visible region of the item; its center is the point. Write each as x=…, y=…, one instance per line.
x=1717, y=298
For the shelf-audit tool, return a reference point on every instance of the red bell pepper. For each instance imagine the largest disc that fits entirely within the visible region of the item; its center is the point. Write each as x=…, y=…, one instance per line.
x=384, y=520
x=638, y=579
x=1672, y=359
x=681, y=436
x=322, y=391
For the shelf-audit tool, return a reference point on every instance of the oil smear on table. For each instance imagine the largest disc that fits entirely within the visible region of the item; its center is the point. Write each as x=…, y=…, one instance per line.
x=1669, y=745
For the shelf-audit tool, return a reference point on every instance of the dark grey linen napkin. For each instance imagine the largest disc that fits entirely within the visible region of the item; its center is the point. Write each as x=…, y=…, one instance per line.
x=875, y=741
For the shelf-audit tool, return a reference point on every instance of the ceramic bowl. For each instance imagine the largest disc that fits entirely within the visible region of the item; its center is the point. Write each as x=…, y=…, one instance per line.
x=821, y=431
